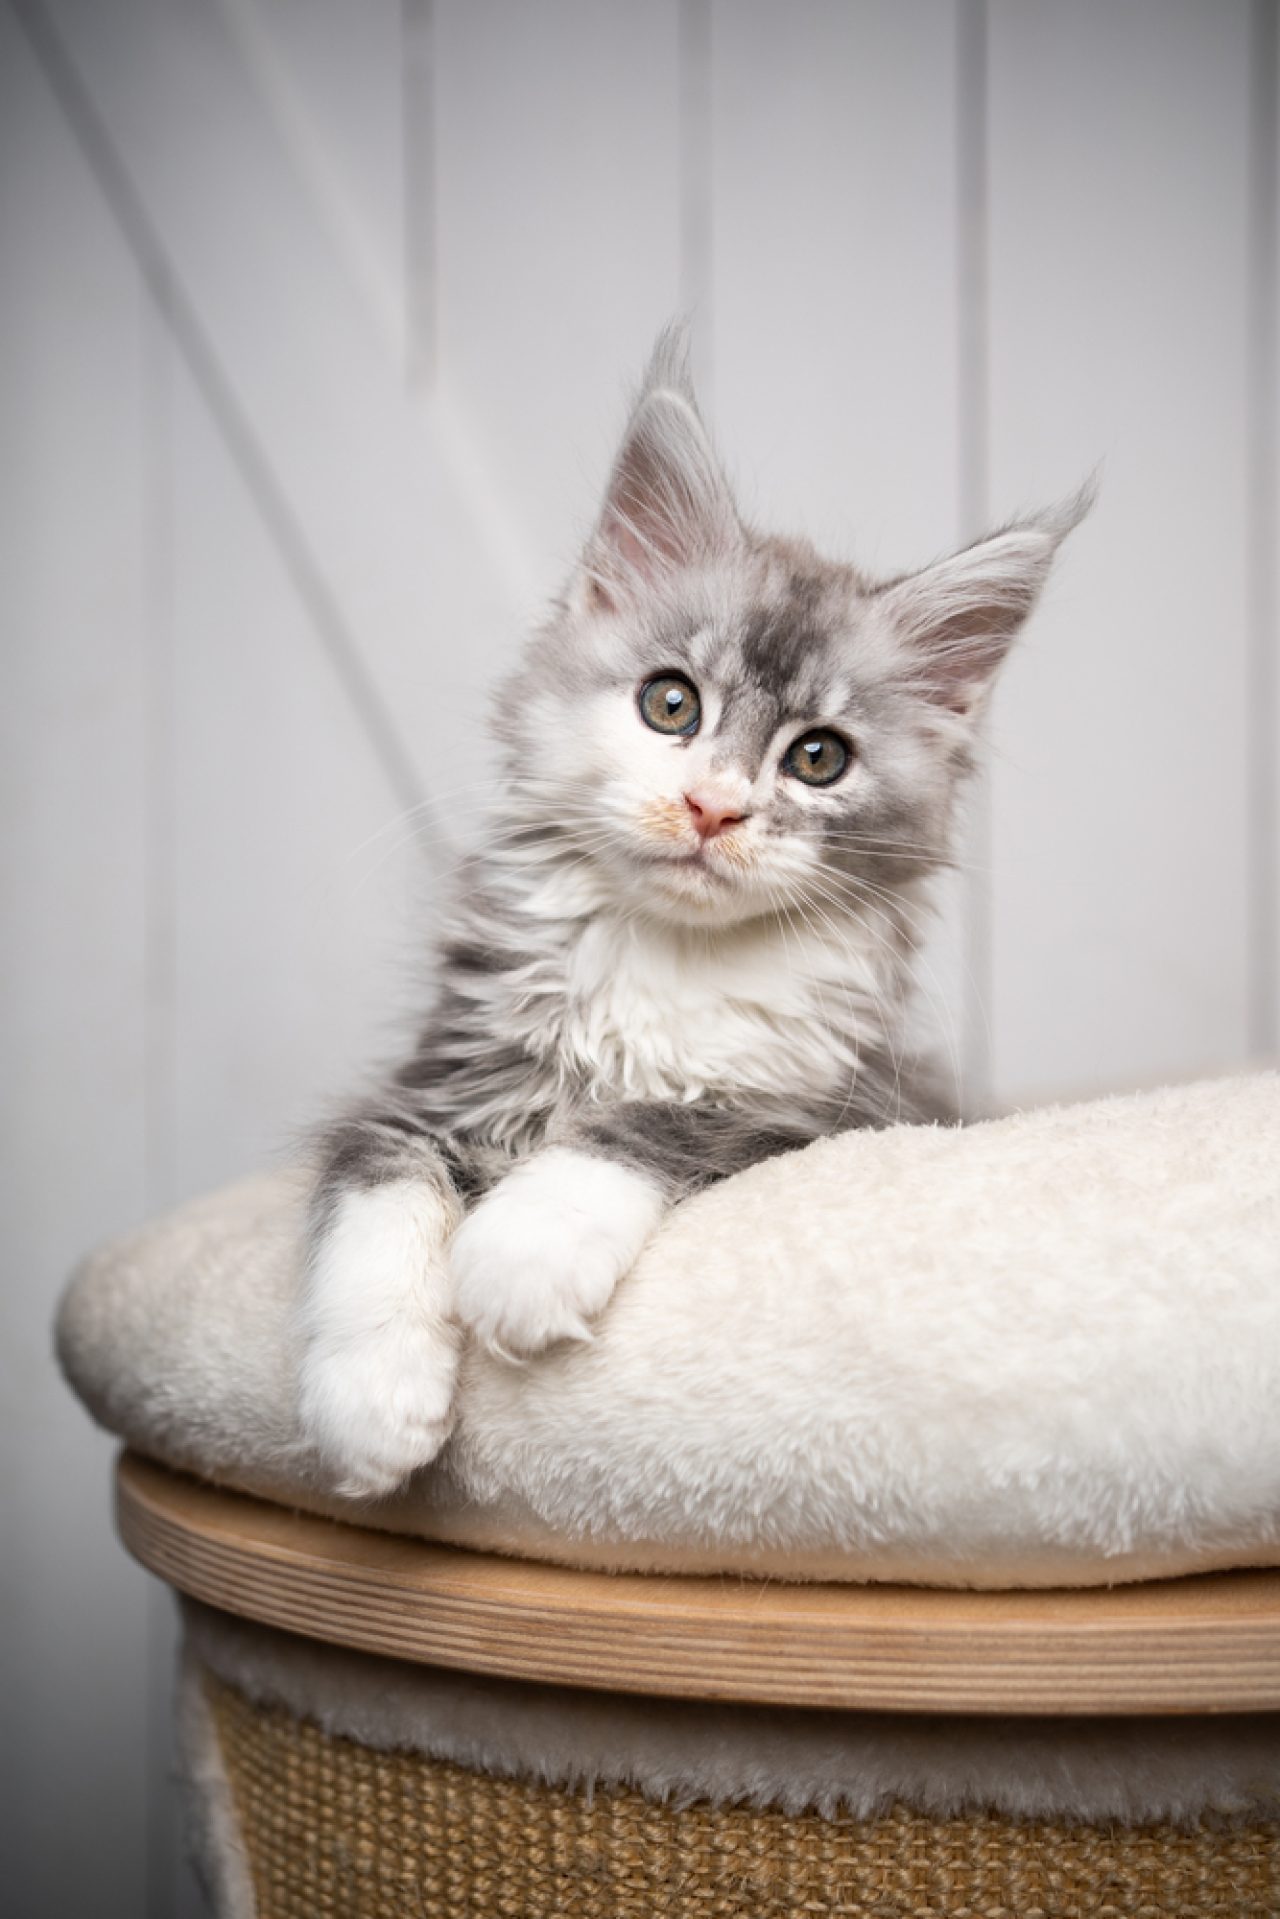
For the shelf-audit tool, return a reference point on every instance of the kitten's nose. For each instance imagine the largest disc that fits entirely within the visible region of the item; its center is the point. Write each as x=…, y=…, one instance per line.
x=711, y=814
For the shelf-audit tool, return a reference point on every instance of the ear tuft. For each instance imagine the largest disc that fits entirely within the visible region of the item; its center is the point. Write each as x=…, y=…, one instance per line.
x=668, y=504
x=959, y=617
x=668, y=367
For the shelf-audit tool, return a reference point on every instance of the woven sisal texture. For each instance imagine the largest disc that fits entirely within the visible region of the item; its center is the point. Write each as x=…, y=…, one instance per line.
x=334, y=1828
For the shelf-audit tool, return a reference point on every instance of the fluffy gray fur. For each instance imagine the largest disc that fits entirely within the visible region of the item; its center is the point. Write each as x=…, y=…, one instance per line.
x=675, y=953
x=672, y=579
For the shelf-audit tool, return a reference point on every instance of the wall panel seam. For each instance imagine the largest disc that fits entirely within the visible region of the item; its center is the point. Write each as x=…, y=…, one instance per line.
x=159, y=790
x=1262, y=399
x=696, y=212
x=236, y=430
x=973, y=405
x=418, y=163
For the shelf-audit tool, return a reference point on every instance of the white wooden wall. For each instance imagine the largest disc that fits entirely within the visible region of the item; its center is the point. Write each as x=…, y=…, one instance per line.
x=316, y=318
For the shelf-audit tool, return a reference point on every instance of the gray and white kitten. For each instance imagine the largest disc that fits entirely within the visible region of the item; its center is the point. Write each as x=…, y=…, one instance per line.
x=728, y=768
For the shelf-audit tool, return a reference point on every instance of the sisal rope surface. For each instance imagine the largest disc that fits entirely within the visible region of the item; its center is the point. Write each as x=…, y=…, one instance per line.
x=335, y=1830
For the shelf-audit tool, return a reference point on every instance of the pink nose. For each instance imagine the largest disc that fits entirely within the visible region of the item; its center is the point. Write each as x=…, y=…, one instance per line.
x=711, y=816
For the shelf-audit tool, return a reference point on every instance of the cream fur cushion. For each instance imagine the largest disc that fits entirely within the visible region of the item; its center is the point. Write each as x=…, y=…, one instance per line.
x=1042, y=1350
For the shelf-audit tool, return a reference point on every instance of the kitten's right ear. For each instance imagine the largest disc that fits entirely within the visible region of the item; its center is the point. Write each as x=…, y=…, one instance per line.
x=668, y=505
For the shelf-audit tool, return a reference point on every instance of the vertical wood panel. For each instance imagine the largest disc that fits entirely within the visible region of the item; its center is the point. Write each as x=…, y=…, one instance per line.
x=1265, y=504
x=696, y=185
x=834, y=276
x=298, y=880
x=558, y=236
x=73, y=602
x=329, y=75
x=380, y=531
x=1118, y=236
x=834, y=267
x=1270, y=529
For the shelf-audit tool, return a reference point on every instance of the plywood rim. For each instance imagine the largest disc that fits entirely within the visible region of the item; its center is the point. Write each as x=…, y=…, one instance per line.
x=1209, y=1643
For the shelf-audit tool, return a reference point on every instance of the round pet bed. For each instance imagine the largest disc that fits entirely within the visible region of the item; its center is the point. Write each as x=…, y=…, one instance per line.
x=1040, y=1351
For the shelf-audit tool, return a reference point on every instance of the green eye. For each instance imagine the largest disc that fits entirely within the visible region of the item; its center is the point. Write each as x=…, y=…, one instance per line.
x=670, y=705
x=817, y=758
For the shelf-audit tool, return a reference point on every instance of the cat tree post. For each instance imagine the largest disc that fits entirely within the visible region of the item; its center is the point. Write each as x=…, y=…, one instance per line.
x=334, y=1823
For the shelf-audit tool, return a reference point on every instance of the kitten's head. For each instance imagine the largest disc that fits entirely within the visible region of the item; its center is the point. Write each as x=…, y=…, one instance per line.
x=720, y=724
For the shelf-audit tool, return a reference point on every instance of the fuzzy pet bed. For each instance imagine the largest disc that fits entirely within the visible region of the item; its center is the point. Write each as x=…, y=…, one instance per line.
x=1041, y=1350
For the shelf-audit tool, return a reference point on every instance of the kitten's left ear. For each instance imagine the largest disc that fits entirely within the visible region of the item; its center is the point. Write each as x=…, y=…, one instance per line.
x=668, y=504
x=959, y=617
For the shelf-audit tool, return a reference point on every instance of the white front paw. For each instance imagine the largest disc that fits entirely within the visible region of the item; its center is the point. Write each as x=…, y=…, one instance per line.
x=379, y=1407
x=541, y=1255
x=379, y=1351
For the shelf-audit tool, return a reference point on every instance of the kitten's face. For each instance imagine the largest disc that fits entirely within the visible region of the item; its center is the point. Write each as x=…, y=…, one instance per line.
x=743, y=742
x=719, y=725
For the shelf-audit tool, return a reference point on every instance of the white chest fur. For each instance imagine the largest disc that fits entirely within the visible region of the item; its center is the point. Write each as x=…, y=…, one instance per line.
x=653, y=1012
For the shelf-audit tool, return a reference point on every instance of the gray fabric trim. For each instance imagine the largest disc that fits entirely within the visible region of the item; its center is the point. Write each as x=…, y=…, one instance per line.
x=211, y=1828
x=1131, y=1770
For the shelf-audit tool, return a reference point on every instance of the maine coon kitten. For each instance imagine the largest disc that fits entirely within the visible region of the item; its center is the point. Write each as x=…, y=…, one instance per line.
x=726, y=769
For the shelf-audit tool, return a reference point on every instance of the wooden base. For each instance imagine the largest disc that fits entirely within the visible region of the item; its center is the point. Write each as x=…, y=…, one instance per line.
x=1205, y=1644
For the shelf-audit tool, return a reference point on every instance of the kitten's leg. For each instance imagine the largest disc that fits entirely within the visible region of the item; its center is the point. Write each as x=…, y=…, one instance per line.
x=539, y=1257
x=379, y=1347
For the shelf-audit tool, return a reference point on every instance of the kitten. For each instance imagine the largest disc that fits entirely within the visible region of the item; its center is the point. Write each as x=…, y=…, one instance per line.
x=728, y=768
